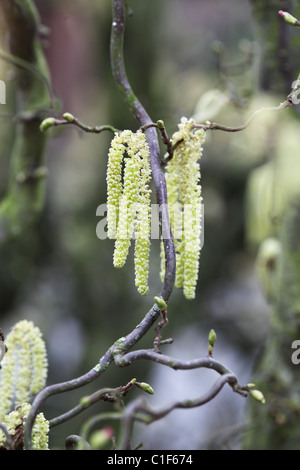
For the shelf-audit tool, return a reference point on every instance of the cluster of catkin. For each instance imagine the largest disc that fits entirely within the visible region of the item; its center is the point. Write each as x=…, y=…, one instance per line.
x=128, y=202
x=185, y=203
x=129, y=206
x=23, y=375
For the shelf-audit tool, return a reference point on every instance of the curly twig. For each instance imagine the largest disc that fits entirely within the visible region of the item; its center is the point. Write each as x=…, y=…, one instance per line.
x=68, y=119
x=215, y=126
x=123, y=360
x=139, y=410
x=106, y=394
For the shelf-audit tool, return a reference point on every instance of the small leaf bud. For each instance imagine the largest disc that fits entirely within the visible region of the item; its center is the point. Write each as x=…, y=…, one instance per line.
x=212, y=336
x=145, y=387
x=250, y=386
x=46, y=124
x=69, y=117
x=161, y=303
x=85, y=401
x=289, y=18
x=258, y=396
x=160, y=124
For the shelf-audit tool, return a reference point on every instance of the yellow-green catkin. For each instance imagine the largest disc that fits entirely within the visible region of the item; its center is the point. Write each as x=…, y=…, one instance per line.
x=173, y=174
x=143, y=229
x=24, y=367
x=114, y=183
x=128, y=208
x=17, y=418
x=184, y=200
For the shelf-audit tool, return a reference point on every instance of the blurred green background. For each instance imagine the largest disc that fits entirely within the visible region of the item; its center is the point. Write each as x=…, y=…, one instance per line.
x=188, y=58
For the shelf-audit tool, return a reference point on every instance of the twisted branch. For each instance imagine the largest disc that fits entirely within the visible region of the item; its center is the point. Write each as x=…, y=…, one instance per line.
x=70, y=119
x=118, y=352
x=139, y=410
x=113, y=394
x=105, y=394
x=212, y=126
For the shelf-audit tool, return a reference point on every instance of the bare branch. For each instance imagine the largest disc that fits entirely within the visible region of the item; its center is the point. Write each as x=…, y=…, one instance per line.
x=139, y=410
x=69, y=119
x=105, y=394
x=215, y=126
x=123, y=360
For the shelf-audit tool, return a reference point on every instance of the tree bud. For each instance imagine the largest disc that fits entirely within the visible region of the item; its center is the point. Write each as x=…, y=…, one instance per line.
x=69, y=117
x=161, y=303
x=258, y=396
x=289, y=18
x=212, y=336
x=46, y=124
x=145, y=387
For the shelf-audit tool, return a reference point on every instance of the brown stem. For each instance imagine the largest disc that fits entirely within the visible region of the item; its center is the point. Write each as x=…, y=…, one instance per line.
x=215, y=126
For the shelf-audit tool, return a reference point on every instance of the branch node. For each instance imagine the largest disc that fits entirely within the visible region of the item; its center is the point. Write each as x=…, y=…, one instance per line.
x=161, y=324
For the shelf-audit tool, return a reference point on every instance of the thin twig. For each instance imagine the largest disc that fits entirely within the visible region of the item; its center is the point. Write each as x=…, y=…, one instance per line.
x=215, y=126
x=139, y=410
x=106, y=394
x=165, y=138
x=123, y=360
x=69, y=119
x=161, y=324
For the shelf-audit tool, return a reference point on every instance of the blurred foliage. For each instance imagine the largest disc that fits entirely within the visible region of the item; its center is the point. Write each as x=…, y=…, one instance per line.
x=279, y=44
